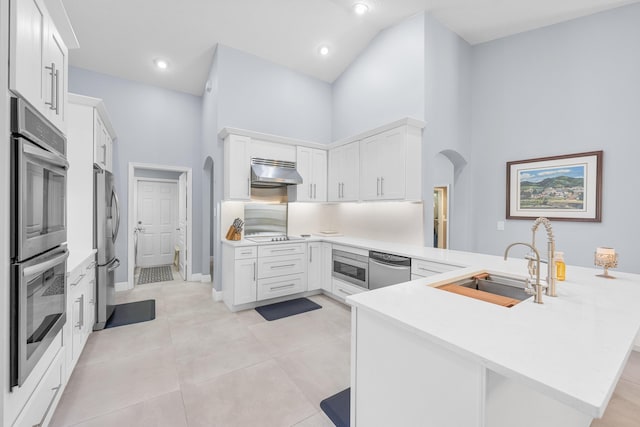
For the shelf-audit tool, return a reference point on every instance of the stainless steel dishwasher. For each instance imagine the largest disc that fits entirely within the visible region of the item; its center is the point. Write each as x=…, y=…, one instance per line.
x=388, y=269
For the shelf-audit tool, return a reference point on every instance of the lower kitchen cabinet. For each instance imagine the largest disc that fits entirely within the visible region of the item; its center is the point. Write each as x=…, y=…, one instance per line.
x=314, y=266
x=42, y=403
x=423, y=268
x=81, y=309
x=342, y=290
x=239, y=275
x=245, y=281
x=274, y=287
x=327, y=266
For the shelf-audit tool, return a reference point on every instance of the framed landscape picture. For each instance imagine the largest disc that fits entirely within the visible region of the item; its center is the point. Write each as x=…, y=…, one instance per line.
x=566, y=188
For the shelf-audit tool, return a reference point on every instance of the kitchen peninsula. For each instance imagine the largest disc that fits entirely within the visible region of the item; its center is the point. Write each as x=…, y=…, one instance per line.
x=422, y=356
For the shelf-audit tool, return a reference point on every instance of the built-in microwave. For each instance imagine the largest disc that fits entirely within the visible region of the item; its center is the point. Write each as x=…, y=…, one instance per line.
x=350, y=267
x=38, y=183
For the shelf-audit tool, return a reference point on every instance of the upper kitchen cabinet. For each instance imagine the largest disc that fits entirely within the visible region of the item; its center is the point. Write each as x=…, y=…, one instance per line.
x=344, y=175
x=39, y=56
x=241, y=146
x=311, y=164
x=88, y=130
x=390, y=165
x=237, y=167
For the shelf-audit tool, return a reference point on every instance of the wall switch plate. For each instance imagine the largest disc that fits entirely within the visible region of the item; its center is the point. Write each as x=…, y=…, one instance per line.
x=500, y=226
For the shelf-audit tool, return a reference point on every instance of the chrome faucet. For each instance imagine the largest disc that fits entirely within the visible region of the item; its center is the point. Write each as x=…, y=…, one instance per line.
x=537, y=287
x=551, y=250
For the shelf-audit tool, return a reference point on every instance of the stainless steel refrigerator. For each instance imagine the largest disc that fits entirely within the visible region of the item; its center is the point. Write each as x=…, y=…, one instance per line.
x=106, y=223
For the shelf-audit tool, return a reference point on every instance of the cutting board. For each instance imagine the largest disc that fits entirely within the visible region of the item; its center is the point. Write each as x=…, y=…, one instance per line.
x=481, y=295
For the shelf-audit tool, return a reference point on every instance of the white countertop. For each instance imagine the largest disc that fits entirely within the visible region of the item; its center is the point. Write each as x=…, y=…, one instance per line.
x=572, y=347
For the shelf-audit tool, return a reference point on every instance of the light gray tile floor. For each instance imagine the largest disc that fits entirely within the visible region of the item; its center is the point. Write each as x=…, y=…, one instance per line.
x=198, y=364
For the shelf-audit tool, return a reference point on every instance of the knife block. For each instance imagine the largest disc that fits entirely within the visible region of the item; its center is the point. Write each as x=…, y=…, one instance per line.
x=232, y=234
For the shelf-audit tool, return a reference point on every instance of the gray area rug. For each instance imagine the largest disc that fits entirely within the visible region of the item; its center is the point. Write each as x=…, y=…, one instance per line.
x=155, y=274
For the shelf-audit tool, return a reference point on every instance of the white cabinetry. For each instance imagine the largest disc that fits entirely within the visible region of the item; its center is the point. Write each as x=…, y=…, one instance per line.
x=239, y=275
x=342, y=290
x=237, y=168
x=84, y=138
x=42, y=403
x=102, y=143
x=282, y=270
x=315, y=266
x=327, y=266
x=80, y=309
x=38, y=60
x=344, y=174
x=311, y=164
x=390, y=165
x=423, y=268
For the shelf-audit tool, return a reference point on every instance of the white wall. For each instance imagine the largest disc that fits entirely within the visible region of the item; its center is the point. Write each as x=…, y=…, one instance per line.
x=384, y=83
x=154, y=125
x=567, y=88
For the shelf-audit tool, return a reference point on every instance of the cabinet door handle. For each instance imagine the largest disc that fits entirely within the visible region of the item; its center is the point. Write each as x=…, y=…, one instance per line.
x=283, y=250
x=254, y=270
x=382, y=186
x=57, y=94
x=315, y=195
x=282, y=266
x=344, y=292
x=310, y=191
x=249, y=187
x=52, y=72
x=273, y=288
x=310, y=253
x=80, y=302
x=79, y=279
x=378, y=187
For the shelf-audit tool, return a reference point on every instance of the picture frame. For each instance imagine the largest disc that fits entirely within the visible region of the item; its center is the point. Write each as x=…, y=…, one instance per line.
x=561, y=188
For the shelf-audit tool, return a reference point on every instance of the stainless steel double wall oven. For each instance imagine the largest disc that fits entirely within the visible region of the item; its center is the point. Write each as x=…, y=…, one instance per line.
x=38, y=233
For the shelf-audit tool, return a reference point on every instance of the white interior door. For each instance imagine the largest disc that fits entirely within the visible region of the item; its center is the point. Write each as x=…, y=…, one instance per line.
x=157, y=210
x=181, y=240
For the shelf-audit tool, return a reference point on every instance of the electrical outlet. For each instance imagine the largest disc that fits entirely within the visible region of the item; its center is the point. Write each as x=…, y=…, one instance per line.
x=500, y=226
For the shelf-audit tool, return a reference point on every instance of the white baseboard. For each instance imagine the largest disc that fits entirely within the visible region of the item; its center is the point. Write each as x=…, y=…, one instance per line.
x=217, y=295
x=206, y=278
x=196, y=277
x=122, y=286
x=636, y=347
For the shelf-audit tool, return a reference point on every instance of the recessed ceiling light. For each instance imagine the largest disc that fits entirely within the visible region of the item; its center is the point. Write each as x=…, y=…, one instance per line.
x=324, y=50
x=360, y=8
x=161, y=63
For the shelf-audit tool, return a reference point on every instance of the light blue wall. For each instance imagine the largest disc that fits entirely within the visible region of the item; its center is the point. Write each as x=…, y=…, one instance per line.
x=567, y=88
x=265, y=97
x=153, y=125
x=384, y=83
x=448, y=129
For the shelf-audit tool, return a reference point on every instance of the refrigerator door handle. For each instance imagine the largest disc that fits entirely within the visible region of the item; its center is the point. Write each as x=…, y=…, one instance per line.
x=113, y=265
x=114, y=197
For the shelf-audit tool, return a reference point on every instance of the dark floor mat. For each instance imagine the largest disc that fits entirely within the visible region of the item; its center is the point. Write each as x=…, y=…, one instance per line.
x=338, y=408
x=132, y=312
x=287, y=308
x=155, y=274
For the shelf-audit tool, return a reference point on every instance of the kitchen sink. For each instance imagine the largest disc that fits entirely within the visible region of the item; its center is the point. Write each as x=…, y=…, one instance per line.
x=500, y=290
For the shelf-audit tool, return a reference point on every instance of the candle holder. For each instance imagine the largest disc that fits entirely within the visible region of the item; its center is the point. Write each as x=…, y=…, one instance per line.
x=607, y=261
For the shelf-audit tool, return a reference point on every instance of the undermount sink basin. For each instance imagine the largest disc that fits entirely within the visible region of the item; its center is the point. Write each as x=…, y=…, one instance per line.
x=500, y=290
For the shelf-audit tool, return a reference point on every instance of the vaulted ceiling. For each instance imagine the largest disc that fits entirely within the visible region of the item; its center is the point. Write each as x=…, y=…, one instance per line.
x=124, y=37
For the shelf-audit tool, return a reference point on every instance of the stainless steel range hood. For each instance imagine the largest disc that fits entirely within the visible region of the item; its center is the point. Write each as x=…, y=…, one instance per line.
x=267, y=173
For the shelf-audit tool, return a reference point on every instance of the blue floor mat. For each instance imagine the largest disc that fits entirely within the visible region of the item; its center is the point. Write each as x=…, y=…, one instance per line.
x=287, y=308
x=338, y=408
